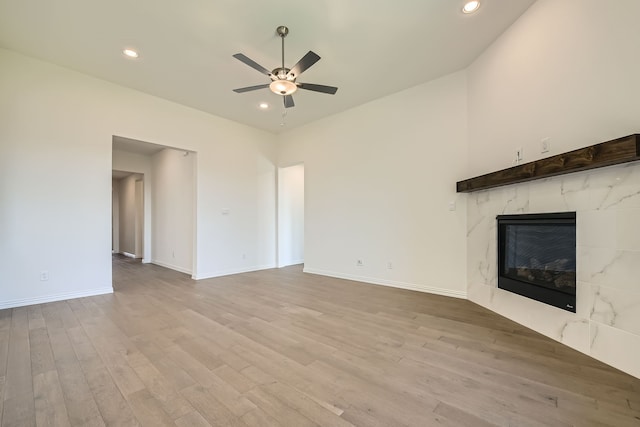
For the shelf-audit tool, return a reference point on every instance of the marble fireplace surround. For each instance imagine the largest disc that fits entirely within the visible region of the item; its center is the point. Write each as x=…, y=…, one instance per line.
x=606, y=324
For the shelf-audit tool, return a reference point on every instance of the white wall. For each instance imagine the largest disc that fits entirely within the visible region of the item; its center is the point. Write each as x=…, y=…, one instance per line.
x=173, y=206
x=378, y=182
x=565, y=70
x=57, y=125
x=290, y=215
x=115, y=216
x=139, y=218
x=127, y=213
x=141, y=164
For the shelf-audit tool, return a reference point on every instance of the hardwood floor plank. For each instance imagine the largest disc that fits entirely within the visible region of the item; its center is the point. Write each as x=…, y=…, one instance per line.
x=258, y=418
x=41, y=354
x=2, y=384
x=19, y=411
x=79, y=402
x=162, y=390
x=148, y=411
x=192, y=419
x=173, y=373
x=49, y=401
x=275, y=408
x=239, y=382
x=211, y=409
x=18, y=375
x=113, y=408
x=280, y=347
x=34, y=314
x=306, y=406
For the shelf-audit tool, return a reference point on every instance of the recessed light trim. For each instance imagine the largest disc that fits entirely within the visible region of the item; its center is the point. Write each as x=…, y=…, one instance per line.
x=471, y=6
x=130, y=53
x=263, y=105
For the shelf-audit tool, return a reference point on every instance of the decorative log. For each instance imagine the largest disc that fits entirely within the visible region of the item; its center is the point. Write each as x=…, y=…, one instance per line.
x=621, y=150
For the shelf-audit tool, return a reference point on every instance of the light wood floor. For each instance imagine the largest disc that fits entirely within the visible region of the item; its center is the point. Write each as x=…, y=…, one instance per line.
x=282, y=348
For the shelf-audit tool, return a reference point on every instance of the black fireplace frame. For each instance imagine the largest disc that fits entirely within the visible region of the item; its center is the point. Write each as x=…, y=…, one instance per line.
x=549, y=296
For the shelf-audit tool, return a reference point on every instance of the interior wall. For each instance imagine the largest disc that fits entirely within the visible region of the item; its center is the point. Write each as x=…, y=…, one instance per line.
x=141, y=164
x=115, y=216
x=173, y=209
x=127, y=213
x=139, y=238
x=57, y=124
x=290, y=215
x=379, y=184
x=566, y=70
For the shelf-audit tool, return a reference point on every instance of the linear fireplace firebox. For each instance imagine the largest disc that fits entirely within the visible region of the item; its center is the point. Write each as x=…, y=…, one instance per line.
x=537, y=257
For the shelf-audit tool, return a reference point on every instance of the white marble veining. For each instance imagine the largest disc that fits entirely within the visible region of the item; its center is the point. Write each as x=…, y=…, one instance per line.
x=606, y=324
x=619, y=309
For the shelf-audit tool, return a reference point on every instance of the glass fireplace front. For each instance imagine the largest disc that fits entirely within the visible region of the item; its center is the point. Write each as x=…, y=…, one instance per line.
x=537, y=257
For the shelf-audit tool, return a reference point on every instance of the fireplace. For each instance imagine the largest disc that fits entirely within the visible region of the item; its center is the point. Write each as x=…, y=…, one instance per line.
x=537, y=257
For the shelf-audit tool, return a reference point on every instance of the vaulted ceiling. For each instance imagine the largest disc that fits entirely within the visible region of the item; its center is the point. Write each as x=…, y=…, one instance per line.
x=369, y=49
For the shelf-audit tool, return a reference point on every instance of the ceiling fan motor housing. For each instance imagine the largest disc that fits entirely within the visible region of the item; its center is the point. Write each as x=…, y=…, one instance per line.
x=282, y=74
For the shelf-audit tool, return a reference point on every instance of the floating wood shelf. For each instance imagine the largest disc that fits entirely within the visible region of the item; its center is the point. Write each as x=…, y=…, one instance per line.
x=621, y=150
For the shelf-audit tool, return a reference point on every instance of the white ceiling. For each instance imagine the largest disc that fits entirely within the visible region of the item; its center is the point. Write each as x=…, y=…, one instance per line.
x=369, y=48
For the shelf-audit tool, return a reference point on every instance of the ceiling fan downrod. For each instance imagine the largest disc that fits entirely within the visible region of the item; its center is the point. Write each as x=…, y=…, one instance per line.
x=282, y=31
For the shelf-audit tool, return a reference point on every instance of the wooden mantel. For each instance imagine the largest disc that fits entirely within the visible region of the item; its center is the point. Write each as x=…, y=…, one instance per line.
x=621, y=150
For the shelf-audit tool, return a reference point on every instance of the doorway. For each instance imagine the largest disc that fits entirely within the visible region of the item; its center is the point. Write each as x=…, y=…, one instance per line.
x=291, y=215
x=154, y=216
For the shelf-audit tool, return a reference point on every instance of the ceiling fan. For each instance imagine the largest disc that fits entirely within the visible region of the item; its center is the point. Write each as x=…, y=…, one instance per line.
x=283, y=80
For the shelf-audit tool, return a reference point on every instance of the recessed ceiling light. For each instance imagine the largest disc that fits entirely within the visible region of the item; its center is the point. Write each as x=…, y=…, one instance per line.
x=264, y=105
x=471, y=6
x=130, y=53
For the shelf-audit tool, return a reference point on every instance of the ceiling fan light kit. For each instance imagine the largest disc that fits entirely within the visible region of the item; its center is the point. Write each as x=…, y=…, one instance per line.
x=283, y=80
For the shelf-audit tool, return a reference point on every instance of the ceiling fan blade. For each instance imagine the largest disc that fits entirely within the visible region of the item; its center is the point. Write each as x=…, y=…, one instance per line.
x=251, y=63
x=318, y=88
x=288, y=101
x=307, y=61
x=250, y=88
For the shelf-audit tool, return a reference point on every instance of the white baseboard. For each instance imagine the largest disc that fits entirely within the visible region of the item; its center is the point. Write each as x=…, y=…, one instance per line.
x=391, y=283
x=170, y=266
x=229, y=272
x=128, y=255
x=55, y=297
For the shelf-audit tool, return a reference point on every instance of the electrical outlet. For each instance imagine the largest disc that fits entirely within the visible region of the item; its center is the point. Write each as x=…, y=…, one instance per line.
x=389, y=265
x=44, y=275
x=359, y=263
x=545, y=145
